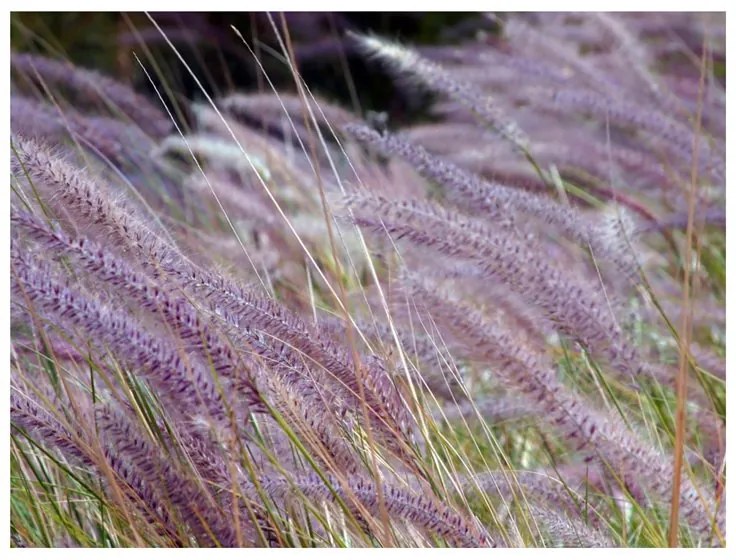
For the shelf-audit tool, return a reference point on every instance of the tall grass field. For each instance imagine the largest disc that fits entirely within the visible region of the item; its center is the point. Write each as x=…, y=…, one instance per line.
x=303, y=280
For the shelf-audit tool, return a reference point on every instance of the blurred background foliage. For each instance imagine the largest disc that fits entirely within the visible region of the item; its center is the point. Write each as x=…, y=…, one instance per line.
x=326, y=57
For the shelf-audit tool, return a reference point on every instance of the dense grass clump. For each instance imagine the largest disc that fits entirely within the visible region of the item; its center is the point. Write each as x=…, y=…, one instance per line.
x=258, y=320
